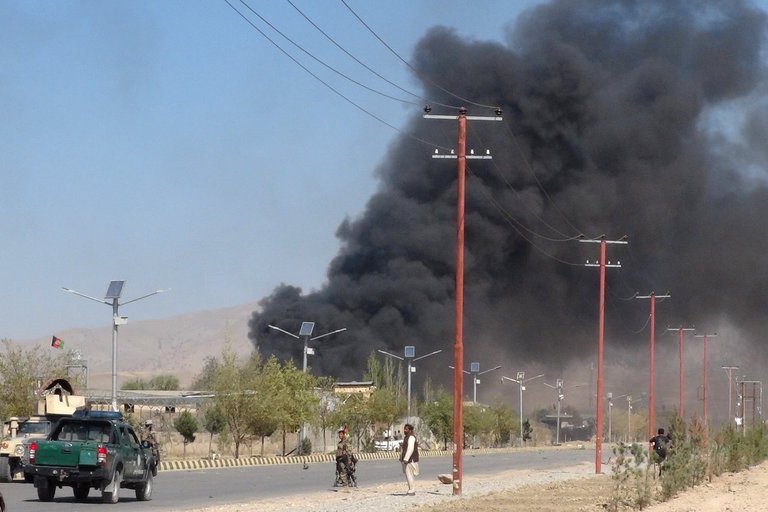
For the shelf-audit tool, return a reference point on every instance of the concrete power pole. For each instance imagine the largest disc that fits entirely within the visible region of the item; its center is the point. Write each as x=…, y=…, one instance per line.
x=458, y=348
x=601, y=327
x=651, y=346
x=705, y=337
x=680, y=331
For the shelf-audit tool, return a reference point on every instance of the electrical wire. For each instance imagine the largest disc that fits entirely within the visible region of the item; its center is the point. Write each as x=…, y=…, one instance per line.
x=516, y=224
x=498, y=172
x=350, y=55
x=530, y=170
x=330, y=87
x=414, y=70
x=323, y=63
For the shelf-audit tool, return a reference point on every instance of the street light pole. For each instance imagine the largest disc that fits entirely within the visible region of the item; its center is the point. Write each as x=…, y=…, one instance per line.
x=521, y=380
x=112, y=298
x=474, y=368
x=305, y=333
x=409, y=353
x=730, y=369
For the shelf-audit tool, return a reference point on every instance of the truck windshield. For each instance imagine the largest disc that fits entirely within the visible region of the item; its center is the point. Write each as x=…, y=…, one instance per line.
x=34, y=428
x=84, y=432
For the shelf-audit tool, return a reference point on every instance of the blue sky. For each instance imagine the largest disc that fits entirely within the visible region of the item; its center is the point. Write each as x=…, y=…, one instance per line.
x=170, y=145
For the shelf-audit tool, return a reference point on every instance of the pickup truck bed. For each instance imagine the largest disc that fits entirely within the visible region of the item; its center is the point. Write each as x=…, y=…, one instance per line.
x=92, y=450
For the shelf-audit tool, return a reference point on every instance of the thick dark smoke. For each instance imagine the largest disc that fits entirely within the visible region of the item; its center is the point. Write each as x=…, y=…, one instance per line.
x=642, y=118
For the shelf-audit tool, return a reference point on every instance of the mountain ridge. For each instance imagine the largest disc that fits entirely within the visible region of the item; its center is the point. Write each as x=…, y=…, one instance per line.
x=177, y=345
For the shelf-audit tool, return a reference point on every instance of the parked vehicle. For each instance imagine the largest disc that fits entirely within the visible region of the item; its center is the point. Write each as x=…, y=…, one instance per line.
x=388, y=444
x=57, y=400
x=92, y=450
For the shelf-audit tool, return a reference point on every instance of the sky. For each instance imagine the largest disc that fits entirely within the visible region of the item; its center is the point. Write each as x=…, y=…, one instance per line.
x=170, y=145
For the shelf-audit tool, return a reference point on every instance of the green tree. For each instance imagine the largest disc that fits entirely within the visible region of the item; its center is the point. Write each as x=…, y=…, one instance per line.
x=205, y=379
x=158, y=382
x=353, y=412
x=438, y=415
x=214, y=423
x=325, y=405
x=295, y=400
x=505, y=426
x=186, y=425
x=22, y=371
x=268, y=385
x=478, y=422
x=233, y=384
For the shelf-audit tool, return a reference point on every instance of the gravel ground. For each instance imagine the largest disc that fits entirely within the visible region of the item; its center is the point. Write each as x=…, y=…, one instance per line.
x=391, y=497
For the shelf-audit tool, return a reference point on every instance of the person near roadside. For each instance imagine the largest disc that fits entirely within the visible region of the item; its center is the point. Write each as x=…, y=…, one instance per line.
x=344, y=459
x=409, y=458
x=660, y=443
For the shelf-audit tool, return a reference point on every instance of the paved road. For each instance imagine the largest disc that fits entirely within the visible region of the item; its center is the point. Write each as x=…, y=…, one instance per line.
x=196, y=488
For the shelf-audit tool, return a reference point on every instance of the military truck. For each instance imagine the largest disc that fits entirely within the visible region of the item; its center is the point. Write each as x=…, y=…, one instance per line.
x=56, y=400
x=92, y=450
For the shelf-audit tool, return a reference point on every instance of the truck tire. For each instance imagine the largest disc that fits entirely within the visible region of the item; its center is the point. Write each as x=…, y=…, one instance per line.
x=114, y=496
x=46, y=492
x=81, y=491
x=144, y=491
x=5, y=469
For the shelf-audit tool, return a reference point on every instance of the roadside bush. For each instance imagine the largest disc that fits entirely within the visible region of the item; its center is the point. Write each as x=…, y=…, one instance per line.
x=632, y=478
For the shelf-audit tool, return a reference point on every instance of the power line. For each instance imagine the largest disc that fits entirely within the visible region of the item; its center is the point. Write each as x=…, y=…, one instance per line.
x=321, y=62
x=326, y=84
x=414, y=70
x=350, y=55
x=530, y=170
x=525, y=203
x=518, y=226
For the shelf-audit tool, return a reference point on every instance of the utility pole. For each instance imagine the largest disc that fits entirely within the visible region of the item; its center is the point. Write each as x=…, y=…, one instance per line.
x=680, y=330
x=601, y=328
x=705, y=337
x=730, y=369
x=458, y=347
x=652, y=345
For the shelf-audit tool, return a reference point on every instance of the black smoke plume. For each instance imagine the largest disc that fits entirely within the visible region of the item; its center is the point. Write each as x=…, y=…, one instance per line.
x=642, y=118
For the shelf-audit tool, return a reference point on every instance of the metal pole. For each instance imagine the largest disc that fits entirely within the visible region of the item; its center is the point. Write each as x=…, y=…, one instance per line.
x=115, y=317
x=730, y=369
x=408, y=420
x=557, y=435
x=682, y=380
x=474, y=388
x=651, y=396
x=601, y=328
x=706, y=418
x=458, y=349
x=629, y=418
x=522, y=440
x=610, y=417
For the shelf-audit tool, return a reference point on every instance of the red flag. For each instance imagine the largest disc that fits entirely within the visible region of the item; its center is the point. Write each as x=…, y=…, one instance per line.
x=57, y=342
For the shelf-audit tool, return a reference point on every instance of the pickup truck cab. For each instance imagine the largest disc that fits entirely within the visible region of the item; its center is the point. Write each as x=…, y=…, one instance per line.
x=91, y=450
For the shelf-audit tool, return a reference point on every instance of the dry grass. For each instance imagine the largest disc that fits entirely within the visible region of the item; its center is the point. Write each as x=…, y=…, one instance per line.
x=582, y=495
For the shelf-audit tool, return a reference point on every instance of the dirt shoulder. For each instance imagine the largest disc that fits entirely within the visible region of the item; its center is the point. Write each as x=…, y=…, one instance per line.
x=574, y=489
x=745, y=491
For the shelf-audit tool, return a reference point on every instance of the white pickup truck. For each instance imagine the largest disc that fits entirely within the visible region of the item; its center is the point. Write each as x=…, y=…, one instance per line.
x=388, y=444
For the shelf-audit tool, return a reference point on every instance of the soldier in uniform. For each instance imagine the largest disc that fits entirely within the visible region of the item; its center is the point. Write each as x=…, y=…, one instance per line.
x=344, y=458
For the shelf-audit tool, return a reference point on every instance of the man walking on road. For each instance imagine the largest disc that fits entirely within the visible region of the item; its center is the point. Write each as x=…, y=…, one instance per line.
x=409, y=458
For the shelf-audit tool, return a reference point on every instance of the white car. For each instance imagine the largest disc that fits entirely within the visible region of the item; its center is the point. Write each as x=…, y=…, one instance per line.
x=388, y=444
